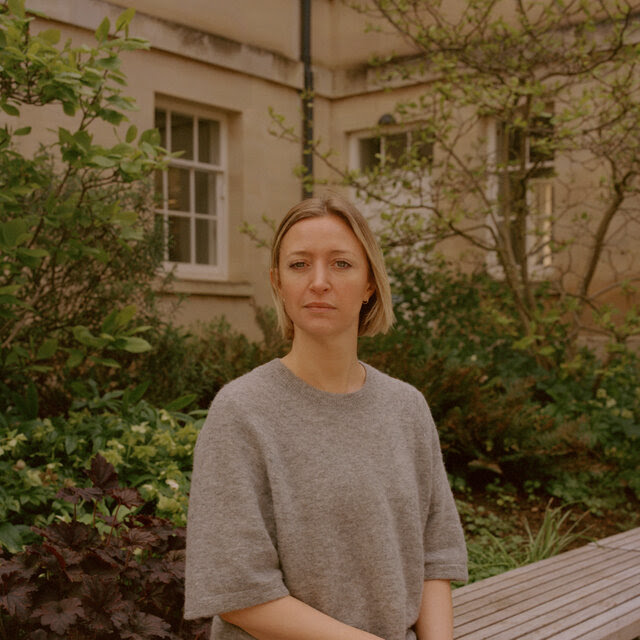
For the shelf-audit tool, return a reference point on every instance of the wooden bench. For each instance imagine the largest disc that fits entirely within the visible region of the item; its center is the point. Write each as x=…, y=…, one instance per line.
x=589, y=593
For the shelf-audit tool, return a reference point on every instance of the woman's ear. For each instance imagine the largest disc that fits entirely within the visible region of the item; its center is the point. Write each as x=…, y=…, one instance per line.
x=371, y=289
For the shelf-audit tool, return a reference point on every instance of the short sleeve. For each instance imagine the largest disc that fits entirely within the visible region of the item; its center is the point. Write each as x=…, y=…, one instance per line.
x=231, y=557
x=445, y=556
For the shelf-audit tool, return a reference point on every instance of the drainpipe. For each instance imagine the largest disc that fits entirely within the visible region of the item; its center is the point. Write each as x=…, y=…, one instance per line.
x=307, y=95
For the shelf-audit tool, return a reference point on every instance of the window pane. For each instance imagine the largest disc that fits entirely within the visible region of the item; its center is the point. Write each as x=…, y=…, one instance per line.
x=159, y=230
x=178, y=189
x=209, y=141
x=395, y=146
x=541, y=134
x=369, y=153
x=206, y=250
x=206, y=192
x=159, y=194
x=161, y=126
x=182, y=135
x=422, y=143
x=179, y=239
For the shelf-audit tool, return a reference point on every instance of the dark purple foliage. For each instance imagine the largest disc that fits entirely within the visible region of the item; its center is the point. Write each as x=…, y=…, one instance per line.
x=81, y=584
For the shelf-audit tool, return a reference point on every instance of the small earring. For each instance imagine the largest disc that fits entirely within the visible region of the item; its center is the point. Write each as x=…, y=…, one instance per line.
x=365, y=301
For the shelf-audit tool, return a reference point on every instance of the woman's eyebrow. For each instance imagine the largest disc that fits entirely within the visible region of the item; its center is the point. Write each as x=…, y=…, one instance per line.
x=305, y=252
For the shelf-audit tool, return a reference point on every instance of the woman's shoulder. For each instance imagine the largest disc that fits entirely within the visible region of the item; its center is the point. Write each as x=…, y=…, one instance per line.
x=257, y=383
x=385, y=384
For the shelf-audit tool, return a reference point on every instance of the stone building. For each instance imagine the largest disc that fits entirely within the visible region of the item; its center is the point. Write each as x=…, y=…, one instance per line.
x=214, y=70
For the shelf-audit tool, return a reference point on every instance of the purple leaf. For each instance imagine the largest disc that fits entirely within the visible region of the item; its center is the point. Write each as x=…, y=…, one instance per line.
x=102, y=473
x=59, y=615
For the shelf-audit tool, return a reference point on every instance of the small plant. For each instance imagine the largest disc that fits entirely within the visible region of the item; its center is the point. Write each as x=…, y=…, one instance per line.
x=495, y=547
x=110, y=572
x=550, y=539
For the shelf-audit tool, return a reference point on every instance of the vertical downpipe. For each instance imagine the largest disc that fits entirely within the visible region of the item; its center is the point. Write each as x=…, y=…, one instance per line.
x=307, y=96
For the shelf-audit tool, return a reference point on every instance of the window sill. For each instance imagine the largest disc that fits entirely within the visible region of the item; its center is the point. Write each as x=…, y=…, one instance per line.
x=208, y=288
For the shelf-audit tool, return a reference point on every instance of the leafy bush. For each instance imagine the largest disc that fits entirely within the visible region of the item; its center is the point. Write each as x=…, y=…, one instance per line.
x=203, y=360
x=534, y=409
x=119, y=575
x=150, y=447
x=77, y=249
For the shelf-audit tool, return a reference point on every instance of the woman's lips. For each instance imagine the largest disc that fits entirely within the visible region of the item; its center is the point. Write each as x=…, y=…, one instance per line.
x=318, y=305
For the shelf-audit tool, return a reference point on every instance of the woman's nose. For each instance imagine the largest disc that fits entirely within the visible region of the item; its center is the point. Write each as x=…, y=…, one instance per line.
x=320, y=279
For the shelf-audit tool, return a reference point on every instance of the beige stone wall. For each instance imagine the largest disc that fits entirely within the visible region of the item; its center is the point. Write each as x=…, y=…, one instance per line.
x=239, y=58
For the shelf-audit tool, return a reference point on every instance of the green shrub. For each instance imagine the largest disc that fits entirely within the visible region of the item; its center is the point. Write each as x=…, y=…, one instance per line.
x=77, y=249
x=119, y=573
x=203, y=360
x=150, y=447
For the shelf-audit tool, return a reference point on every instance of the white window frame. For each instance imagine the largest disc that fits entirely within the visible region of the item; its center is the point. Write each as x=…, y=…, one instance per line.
x=192, y=270
x=540, y=197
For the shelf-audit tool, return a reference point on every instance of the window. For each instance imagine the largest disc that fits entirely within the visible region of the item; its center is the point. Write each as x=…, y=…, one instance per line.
x=191, y=191
x=395, y=164
x=522, y=187
x=394, y=148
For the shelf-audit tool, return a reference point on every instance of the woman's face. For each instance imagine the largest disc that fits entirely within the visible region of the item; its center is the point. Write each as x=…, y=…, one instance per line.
x=323, y=277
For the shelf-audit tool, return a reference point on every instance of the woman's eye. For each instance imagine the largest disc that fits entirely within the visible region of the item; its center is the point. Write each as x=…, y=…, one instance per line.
x=297, y=265
x=342, y=264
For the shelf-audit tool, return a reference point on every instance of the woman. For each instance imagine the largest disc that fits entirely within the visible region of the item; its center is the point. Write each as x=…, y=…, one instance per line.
x=319, y=504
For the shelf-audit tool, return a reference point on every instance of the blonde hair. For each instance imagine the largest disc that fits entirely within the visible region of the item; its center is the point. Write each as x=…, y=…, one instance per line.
x=376, y=315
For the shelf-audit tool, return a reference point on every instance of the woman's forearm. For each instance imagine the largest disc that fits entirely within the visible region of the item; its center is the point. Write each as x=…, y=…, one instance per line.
x=435, y=621
x=291, y=619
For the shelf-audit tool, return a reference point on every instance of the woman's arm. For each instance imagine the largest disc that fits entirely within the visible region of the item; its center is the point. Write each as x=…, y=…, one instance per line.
x=435, y=620
x=291, y=619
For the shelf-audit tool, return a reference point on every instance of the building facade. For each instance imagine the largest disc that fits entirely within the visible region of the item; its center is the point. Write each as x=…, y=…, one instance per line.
x=215, y=71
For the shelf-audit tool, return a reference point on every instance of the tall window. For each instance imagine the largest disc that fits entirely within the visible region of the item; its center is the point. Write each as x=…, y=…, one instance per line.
x=523, y=187
x=192, y=203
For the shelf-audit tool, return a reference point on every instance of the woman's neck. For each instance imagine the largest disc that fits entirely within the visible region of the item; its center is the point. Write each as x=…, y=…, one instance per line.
x=332, y=368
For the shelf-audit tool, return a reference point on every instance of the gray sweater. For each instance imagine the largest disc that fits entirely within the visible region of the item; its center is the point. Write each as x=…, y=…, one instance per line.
x=340, y=500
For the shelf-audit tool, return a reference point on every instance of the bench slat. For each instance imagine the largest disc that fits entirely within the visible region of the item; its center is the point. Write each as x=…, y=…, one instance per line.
x=520, y=588
x=590, y=593
x=621, y=625
x=554, y=588
x=557, y=614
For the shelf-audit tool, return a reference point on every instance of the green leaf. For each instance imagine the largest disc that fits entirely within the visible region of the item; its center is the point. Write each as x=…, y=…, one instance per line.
x=103, y=161
x=124, y=19
x=102, y=32
x=181, y=402
x=16, y=7
x=33, y=254
x=125, y=218
x=133, y=396
x=106, y=362
x=111, y=116
x=47, y=349
x=9, y=290
x=70, y=443
x=132, y=132
x=84, y=336
x=124, y=316
x=10, y=537
x=50, y=36
x=82, y=139
x=75, y=358
x=10, y=109
x=135, y=345
x=23, y=131
x=11, y=232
